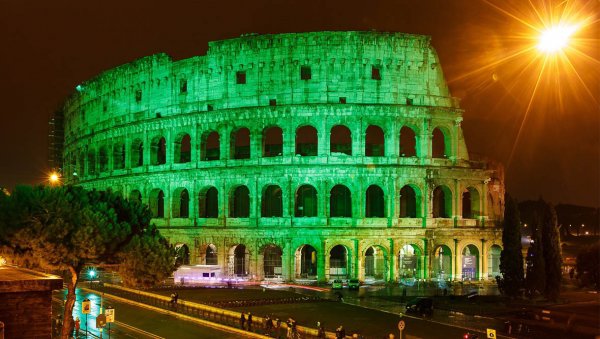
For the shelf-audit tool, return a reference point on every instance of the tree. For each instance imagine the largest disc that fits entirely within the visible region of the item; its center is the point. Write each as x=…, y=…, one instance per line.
x=588, y=266
x=511, y=257
x=68, y=228
x=551, y=251
x=535, y=278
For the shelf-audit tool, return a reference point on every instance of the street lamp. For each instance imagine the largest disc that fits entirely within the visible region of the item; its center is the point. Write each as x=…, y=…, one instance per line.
x=54, y=178
x=555, y=39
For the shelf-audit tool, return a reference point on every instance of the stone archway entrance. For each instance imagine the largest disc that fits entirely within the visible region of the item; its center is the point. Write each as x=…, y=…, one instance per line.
x=272, y=264
x=339, y=263
x=239, y=260
x=376, y=263
x=306, y=262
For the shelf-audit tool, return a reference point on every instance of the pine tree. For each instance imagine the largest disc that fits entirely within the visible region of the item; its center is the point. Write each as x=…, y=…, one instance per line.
x=551, y=250
x=68, y=228
x=511, y=257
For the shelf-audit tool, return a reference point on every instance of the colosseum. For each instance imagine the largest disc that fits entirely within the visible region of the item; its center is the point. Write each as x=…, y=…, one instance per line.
x=297, y=157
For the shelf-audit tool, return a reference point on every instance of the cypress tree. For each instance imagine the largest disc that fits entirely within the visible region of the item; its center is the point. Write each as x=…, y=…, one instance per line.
x=536, y=274
x=511, y=257
x=551, y=251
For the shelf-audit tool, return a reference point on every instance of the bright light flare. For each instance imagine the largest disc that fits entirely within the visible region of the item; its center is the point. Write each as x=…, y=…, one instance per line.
x=554, y=39
x=54, y=178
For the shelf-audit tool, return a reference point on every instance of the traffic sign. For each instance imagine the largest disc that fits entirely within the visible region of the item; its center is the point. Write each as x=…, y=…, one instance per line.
x=401, y=325
x=86, y=306
x=491, y=333
x=110, y=314
x=100, y=321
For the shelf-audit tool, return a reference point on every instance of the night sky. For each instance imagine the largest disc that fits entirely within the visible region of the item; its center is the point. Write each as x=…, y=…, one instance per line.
x=48, y=47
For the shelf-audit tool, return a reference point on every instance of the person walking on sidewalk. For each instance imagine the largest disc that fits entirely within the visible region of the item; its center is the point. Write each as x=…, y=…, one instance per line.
x=77, y=327
x=249, y=321
x=321, y=331
x=242, y=321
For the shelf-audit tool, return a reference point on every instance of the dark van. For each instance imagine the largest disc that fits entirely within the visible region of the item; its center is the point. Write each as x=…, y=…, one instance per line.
x=422, y=306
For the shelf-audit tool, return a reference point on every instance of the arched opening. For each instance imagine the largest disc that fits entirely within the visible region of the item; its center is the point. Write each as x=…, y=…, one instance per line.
x=470, y=263
x=136, y=196
x=272, y=143
x=240, y=144
x=374, y=142
x=439, y=146
x=307, y=141
x=119, y=156
x=183, y=148
x=338, y=262
x=238, y=261
x=409, y=202
x=182, y=254
x=375, y=202
x=376, y=264
x=340, y=140
x=306, y=262
x=271, y=202
x=181, y=203
x=409, y=263
x=211, y=256
x=210, y=146
x=442, y=202
x=470, y=204
x=157, y=203
x=442, y=263
x=272, y=267
x=340, y=202
x=158, y=151
x=494, y=261
x=306, y=201
x=208, y=204
x=408, y=142
x=103, y=159
x=137, y=153
x=91, y=162
x=239, y=202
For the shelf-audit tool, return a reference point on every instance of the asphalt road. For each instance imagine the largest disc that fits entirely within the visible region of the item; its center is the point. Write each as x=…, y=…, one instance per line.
x=134, y=322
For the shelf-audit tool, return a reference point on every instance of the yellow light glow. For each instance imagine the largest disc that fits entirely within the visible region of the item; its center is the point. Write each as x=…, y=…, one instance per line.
x=555, y=38
x=54, y=178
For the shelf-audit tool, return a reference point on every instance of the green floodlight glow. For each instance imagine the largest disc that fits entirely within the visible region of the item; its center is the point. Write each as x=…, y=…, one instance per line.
x=79, y=88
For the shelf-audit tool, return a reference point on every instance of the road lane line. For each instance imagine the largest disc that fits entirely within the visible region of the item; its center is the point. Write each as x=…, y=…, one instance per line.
x=135, y=329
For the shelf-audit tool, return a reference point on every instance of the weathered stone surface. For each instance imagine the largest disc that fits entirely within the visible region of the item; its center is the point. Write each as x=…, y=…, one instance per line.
x=185, y=136
x=25, y=302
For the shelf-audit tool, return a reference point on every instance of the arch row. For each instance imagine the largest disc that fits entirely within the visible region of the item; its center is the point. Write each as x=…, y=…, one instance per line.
x=405, y=261
x=305, y=200
x=241, y=142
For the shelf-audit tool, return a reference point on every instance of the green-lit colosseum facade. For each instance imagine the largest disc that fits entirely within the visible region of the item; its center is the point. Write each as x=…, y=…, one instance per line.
x=297, y=157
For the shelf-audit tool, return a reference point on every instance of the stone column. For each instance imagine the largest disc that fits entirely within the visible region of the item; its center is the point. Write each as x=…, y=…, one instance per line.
x=457, y=274
x=357, y=259
x=322, y=263
x=392, y=275
x=483, y=269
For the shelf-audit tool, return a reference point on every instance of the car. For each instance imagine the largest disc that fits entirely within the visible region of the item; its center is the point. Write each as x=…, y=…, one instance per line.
x=337, y=284
x=353, y=284
x=422, y=306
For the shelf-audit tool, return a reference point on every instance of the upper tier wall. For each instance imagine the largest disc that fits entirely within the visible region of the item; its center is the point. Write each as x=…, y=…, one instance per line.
x=352, y=67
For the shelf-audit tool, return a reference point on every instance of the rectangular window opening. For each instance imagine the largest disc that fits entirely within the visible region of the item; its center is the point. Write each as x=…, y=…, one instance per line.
x=209, y=107
x=305, y=73
x=183, y=86
x=240, y=77
x=138, y=95
x=375, y=73
x=272, y=102
x=342, y=100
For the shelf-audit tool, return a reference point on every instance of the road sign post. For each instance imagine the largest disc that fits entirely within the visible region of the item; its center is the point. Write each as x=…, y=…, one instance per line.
x=401, y=326
x=110, y=317
x=86, y=309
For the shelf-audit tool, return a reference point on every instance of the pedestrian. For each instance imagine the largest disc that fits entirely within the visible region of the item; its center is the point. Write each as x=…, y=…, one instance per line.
x=77, y=327
x=278, y=327
x=508, y=327
x=342, y=332
x=242, y=321
x=338, y=333
x=249, y=321
x=571, y=273
x=445, y=292
x=268, y=324
x=289, y=328
x=321, y=331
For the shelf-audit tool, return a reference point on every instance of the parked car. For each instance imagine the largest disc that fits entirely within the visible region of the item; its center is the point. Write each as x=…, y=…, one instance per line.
x=422, y=306
x=353, y=284
x=337, y=284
